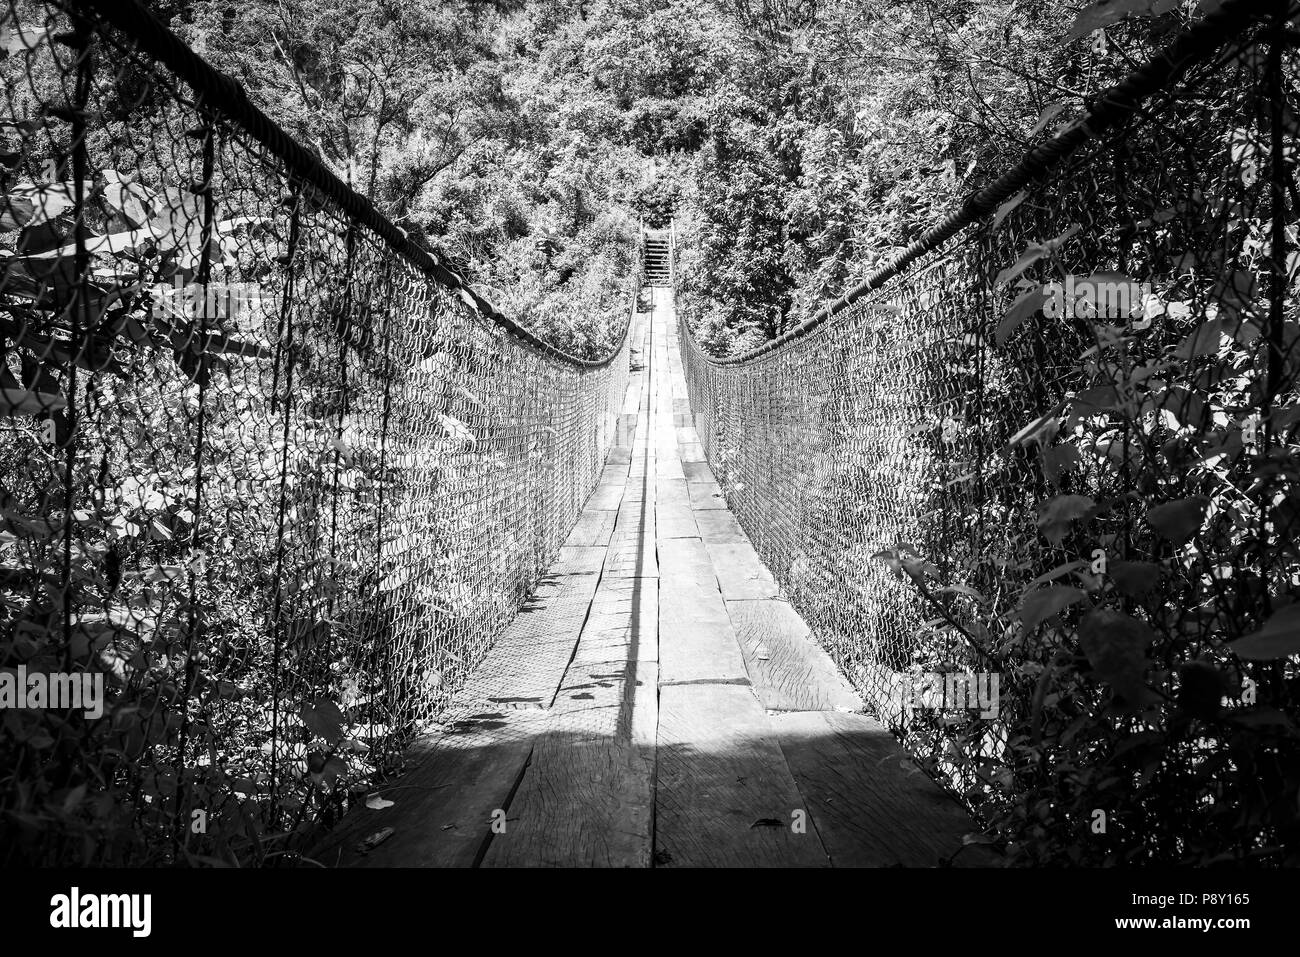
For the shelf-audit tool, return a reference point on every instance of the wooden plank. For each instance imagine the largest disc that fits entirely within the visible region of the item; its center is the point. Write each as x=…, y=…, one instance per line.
x=696, y=641
x=623, y=622
x=720, y=526
x=675, y=521
x=525, y=665
x=725, y=796
x=592, y=528
x=686, y=435
x=741, y=573
x=670, y=469
x=629, y=427
x=587, y=798
x=872, y=806
x=632, y=398
x=698, y=471
x=607, y=496
x=706, y=495
x=619, y=454
x=638, y=488
x=643, y=463
x=686, y=560
x=673, y=490
x=694, y=452
x=789, y=671
x=632, y=547
x=442, y=806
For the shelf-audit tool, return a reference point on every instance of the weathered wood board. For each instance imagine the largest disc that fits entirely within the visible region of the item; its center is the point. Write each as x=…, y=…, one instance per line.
x=788, y=670
x=696, y=640
x=873, y=807
x=724, y=795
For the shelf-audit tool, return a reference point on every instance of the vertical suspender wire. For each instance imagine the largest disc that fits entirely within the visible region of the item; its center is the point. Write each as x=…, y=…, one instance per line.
x=1277, y=304
x=197, y=341
x=286, y=326
x=388, y=286
x=79, y=317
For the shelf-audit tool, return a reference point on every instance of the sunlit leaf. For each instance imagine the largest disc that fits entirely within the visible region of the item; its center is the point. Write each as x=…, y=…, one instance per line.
x=23, y=40
x=1025, y=306
x=1106, y=12
x=1005, y=209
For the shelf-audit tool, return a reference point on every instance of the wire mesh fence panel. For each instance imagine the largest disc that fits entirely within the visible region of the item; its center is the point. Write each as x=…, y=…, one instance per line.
x=1038, y=493
x=272, y=479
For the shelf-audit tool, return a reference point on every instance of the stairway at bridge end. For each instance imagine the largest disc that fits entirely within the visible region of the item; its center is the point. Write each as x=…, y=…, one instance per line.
x=657, y=253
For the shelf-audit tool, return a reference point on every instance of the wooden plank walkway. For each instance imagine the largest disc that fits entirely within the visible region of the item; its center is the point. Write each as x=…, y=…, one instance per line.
x=657, y=702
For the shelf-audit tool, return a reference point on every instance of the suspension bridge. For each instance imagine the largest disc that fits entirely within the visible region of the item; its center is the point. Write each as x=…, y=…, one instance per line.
x=375, y=575
x=658, y=701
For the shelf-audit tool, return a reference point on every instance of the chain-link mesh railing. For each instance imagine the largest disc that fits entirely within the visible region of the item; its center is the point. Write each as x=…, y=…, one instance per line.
x=1060, y=453
x=272, y=477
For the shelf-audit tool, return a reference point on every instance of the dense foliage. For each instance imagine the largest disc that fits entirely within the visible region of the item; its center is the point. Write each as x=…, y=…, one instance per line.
x=797, y=144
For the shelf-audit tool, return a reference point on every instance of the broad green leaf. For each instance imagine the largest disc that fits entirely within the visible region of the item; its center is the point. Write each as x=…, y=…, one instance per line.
x=1279, y=638
x=1204, y=340
x=127, y=198
x=1186, y=406
x=1055, y=516
x=1135, y=578
x=32, y=205
x=1005, y=209
x=165, y=573
x=1178, y=521
x=1099, y=398
x=1116, y=648
x=1050, y=112
x=1058, y=461
x=1105, y=12
x=1033, y=252
x=324, y=719
x=24, y=402
x=15, y=213
x=1025, y=306
x=1042, y=429
x=918, y=569
x=1236, y=290
x=23, y=40
x=890, y=558
x=1060, y=571
x=334, y=768
x=1040, y=605
x=456, y=429
x=959, y=590
x=309, y=632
